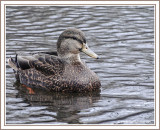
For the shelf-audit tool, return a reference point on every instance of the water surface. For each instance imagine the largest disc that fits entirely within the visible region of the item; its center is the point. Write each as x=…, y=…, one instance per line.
x=123, y=37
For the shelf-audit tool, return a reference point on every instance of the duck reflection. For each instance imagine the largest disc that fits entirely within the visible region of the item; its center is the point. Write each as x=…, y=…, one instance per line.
x=65, y=105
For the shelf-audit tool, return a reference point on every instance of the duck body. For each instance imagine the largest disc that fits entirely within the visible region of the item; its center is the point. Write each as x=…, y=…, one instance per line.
x=60, y=71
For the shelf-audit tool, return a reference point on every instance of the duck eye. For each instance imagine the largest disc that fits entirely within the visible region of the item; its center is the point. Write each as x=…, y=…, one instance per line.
x=80, y=49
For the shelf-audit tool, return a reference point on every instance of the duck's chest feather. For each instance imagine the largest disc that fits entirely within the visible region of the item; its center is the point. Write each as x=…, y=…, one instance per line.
x=79, y=73
x=77, y=77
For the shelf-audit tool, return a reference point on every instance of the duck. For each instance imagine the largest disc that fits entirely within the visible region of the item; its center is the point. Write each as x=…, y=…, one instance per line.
x=61, y=71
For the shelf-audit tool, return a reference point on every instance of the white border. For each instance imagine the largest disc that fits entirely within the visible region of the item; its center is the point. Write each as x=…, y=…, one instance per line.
x=157, y=64
x=80, y=2
x=80, y=126
x=2, y=64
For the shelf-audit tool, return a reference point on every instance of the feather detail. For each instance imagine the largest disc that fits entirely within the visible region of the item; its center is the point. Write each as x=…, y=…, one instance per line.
x=12, y=64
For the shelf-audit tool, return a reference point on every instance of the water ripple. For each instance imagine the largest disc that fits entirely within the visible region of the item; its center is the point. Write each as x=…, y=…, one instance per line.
x=123, y=37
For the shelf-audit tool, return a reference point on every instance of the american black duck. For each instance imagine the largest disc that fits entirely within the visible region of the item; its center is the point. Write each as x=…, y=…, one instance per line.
x=58, y=71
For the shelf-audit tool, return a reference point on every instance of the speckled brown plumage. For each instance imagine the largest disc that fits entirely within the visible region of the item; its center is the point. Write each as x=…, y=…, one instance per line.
x=57, y=73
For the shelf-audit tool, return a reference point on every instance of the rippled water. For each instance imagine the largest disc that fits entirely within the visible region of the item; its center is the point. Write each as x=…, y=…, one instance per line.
x=123, y=37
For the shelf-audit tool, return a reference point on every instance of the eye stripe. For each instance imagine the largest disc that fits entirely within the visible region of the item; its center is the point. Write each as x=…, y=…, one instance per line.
x=74, y=38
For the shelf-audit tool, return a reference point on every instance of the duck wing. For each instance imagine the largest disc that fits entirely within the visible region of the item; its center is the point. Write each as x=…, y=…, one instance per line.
x=46, y=63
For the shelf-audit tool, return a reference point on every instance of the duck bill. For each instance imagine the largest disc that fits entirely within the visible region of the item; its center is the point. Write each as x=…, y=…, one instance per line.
x=88, y=51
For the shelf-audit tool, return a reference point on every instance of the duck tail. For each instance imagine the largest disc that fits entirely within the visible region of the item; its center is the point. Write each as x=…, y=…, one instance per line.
x=13, y=63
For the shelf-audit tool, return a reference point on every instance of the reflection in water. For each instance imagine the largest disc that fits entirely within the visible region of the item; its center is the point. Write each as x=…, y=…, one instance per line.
x=65, y=105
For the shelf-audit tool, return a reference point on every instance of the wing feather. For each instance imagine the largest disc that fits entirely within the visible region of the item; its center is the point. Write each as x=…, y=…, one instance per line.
x=45, y=63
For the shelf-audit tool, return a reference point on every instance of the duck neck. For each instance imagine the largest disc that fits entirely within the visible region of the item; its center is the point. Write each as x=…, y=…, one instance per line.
x=71, y=58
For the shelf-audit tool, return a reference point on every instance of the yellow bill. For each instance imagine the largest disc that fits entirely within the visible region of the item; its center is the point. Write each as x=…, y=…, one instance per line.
x=88, y=51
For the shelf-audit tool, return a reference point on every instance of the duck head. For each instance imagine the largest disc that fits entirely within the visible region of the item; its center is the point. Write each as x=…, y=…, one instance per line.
x=71, y=42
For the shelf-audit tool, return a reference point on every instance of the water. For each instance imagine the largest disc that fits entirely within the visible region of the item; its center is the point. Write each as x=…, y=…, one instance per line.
x=123, y=37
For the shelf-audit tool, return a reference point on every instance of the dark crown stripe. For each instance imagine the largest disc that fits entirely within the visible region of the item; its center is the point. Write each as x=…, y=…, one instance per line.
x=74, y=38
